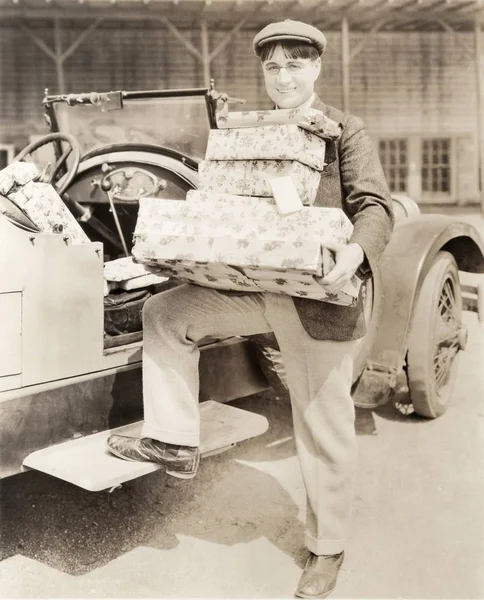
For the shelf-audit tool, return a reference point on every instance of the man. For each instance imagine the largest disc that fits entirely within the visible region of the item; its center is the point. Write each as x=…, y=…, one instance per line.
x=316, y=339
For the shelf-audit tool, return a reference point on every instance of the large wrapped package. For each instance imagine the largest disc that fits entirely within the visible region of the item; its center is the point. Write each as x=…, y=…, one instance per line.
x=241, y=243
x=273, y=142
x=15, y=176
x=44, y=207
x=308, y=118
x=252, y=177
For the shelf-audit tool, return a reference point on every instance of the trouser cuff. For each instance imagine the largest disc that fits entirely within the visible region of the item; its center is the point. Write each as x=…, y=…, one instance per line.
x=181, y=438
x=320, y=547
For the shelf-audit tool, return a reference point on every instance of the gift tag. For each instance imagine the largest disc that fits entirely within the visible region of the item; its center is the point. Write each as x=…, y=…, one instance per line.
x=285, y=195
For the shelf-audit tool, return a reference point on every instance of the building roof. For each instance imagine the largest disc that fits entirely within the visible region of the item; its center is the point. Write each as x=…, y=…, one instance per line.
x=362, y=15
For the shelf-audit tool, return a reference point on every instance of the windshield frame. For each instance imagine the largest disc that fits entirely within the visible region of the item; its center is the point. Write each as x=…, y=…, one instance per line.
x=49, y=103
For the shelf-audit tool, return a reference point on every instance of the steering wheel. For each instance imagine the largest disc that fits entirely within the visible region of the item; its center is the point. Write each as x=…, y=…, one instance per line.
x=53, y=172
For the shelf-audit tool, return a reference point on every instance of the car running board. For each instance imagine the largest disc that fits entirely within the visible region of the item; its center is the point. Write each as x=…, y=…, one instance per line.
x=87, y=463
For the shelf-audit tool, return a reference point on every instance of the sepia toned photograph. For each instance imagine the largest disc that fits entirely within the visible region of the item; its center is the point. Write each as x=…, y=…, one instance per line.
x=242, y=299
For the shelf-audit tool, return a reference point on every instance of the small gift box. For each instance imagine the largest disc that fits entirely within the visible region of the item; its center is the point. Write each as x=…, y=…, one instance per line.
x=252, y=177
x=274, y=142
x=124, y=273
x=310, y=119
x=15, y=176
x=44, y=207
x=303, y=285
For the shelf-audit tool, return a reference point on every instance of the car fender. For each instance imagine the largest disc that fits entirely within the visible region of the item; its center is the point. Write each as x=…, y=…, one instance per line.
x=403, y=266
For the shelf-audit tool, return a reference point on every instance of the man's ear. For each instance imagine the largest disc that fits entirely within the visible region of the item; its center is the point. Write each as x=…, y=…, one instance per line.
x=317, y=67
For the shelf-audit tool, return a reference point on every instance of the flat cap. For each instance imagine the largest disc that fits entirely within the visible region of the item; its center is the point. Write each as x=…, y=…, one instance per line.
x=290, y=30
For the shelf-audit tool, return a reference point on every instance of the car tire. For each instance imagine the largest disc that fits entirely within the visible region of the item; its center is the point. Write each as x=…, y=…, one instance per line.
x=435, y=338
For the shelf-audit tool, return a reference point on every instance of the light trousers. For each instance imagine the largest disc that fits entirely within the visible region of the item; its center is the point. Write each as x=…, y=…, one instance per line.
x=319, y=376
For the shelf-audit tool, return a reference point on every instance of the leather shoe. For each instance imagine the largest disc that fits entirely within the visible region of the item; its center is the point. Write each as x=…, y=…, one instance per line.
x=319, y=576
x=181, y=461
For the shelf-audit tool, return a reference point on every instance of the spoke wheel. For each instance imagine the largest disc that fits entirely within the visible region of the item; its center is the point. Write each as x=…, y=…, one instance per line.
x=435, y=338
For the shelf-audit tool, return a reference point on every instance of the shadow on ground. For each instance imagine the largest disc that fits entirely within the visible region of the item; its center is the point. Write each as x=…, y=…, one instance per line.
x=229, y=502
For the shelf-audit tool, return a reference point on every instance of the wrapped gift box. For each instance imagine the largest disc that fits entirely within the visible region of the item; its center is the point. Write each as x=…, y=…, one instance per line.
x=16, y=175
x=123, y=268
x=310, y=119
x=253, y=247
x=125, y=274
x=251, y=177
x=274, y=142
x=44, y=207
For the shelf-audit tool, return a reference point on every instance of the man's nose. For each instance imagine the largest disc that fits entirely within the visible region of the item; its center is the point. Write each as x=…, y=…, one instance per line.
x=283, y=76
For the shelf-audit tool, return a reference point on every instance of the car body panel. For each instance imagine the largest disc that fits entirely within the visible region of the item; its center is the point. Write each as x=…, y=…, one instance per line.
x=64, y=382
x=413, y=247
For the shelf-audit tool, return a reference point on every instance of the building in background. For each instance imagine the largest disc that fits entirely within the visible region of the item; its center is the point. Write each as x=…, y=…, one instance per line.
x=412, y=69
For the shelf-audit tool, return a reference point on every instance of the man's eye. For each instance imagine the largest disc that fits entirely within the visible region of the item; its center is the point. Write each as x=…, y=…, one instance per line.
x=294, y=68
x=272, y=69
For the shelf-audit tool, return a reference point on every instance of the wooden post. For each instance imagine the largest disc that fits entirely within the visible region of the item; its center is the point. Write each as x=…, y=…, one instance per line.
x=59, y=59
x=205, y=53
x=479, y=108
x=345, y=62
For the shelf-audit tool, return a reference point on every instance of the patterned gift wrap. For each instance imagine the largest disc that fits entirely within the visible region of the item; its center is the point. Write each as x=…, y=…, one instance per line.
x=252, y=247
x=231, y=227
x=274, y=142
x=309, y=118
x=251, y=177
x=304, y=285
x=44, y=207
x=16, y=175
x=256, y=218
x=176, y=217
x=269, y=254
x=217, y=276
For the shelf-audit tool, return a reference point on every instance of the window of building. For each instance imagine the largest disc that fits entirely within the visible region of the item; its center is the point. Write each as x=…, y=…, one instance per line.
x=394, y=159
x=436, y=165
x=6, y=155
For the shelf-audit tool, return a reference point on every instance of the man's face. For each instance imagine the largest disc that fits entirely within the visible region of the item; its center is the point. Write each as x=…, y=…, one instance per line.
x=294, y=83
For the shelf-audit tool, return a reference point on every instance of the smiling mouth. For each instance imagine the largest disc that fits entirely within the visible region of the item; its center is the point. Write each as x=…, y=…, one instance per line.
x=286, y=91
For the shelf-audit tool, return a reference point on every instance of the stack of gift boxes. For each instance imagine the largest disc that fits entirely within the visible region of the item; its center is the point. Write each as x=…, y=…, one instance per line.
x=251, y=225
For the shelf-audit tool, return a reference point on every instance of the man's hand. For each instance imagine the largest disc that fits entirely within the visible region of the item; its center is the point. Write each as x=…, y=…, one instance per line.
x=348, y=257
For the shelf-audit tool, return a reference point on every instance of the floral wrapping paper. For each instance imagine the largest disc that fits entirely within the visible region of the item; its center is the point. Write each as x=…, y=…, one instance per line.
x=16, y=175
x=251, y=219
x=217, y=276
x=43, y=206
x=310, y=119
x=274, y=142
x=233, y=242
x=251, y=177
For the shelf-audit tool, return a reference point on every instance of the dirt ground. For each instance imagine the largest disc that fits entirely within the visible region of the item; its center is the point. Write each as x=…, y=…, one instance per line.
x=237, y=529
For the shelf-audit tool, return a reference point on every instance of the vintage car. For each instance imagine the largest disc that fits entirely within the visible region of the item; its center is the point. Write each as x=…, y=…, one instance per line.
x=70, y=356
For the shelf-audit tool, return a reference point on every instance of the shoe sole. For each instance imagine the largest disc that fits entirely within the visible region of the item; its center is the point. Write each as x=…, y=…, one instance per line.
x=325, y=595
x=181, y=475
x=172, y=473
